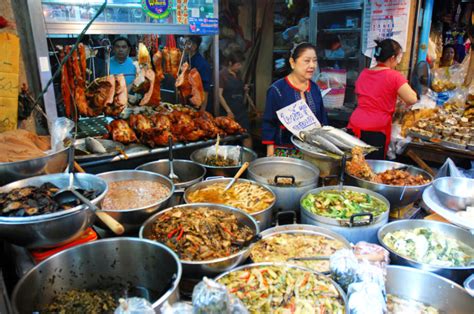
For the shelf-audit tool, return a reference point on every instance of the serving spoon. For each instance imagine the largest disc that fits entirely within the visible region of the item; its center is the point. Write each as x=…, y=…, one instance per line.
x=237, y=175
x=173, y=176
x=70, y=194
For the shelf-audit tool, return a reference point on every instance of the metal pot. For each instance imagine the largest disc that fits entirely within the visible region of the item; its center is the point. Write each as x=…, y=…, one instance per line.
x=199, y=156
x=199, y=269
x=133, y=218
x=257, y=265
x=327, y=166
x=354, y=231
x=19, y=170
x=141, y=264
x=189, y=172
x=271, y=170
x=428, y=288
x=263, y=217
x=52, y=230
x=457, y=274
x=304, y=230
x=399, y=196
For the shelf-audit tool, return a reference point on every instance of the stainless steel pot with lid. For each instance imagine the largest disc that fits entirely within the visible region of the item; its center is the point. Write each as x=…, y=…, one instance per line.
x=288, y=178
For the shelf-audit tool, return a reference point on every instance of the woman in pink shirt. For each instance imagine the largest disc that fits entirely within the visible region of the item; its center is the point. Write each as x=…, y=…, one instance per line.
x=377, y=90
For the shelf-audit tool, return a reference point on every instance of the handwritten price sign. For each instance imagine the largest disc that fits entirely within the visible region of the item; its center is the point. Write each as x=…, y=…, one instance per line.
x=9, y=75
x=298, y=117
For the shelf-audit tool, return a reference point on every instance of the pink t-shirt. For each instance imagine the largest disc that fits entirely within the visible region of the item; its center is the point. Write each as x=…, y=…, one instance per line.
x=376, y=92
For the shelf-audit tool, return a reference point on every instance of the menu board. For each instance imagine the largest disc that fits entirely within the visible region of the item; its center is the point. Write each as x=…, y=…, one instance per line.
x=385, y=19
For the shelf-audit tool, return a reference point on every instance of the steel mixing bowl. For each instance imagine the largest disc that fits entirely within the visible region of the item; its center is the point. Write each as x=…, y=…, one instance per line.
x=18, y=170
x=455, y=193
x=429, y=289
x=199, y=156
x=210, y=268
x=52, y=230
x=133, y=218
x=142, y=265
x=457, y=274
x=398, y=195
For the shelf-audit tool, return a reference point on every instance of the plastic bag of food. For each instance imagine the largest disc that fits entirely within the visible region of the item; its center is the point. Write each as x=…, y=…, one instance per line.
x=210, y=297
x=60, y=130
x=373, y=254
x=366, y=297
x=367, y=272
x=177, y=308
x=224, y=156
x=134, y=306
x=343, y=265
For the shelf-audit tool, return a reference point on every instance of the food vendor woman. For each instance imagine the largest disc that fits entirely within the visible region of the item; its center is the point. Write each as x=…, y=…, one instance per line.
x=284, y=92
x=377, y=90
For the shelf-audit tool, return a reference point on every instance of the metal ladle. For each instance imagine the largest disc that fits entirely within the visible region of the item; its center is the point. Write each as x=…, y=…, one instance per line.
x=70, y=194
x=173, y=176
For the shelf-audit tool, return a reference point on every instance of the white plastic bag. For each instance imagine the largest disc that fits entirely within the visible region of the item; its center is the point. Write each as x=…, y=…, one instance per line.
x=60, y=129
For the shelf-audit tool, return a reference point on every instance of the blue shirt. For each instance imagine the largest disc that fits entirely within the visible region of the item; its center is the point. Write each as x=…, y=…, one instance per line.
x=204, y=69
x=280, y=95
x=126, y=68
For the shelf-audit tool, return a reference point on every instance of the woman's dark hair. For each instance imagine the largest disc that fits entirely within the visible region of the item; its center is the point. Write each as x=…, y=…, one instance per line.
x=297, y=50
x=234, y=56
x=386, y=49
x=122, y=39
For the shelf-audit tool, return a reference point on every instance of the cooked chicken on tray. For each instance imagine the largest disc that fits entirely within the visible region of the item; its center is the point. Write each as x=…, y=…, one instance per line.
x=183, y=125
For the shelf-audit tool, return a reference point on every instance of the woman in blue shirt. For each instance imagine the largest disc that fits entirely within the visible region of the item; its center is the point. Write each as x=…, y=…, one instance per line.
x=284, y=92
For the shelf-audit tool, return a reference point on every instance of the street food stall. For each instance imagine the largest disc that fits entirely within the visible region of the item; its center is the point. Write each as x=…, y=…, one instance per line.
x=213, y=227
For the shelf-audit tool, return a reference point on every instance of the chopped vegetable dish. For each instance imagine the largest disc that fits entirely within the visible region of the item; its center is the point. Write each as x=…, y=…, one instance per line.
x=82, y=301
x=281, y=247
x=429, y=247
x=397, y=305
x=342, y=204
x=201, y=234
x=283, y=289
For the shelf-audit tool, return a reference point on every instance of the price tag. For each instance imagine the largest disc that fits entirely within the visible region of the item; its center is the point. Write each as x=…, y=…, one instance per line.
x=298, y=117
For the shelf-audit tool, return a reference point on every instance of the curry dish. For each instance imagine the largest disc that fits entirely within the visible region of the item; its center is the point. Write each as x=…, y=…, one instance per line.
x=247, y=196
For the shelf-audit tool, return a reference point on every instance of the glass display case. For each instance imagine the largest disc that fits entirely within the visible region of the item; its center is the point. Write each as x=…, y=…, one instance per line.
x=65, y=19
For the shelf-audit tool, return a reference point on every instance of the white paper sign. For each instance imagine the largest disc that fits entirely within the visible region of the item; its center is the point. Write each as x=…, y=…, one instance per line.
x=298, y=117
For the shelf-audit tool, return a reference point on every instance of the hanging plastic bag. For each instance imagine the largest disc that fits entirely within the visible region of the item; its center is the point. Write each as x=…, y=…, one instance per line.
x=60, y=130
x=449, y=169
x=134, y=306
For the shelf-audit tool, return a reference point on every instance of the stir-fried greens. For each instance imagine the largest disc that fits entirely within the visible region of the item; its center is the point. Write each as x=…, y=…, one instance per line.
x=82, y=301
x=200, y=234
x=219, y=161
x=283, y=289
x=429, y=247
x=281, y=247
x=342, y=204
x=397, y=305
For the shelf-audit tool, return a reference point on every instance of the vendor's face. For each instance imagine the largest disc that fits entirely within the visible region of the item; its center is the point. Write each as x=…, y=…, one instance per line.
x=448, y=54
x=305, y=64
x=235, y=67
x=121, y=50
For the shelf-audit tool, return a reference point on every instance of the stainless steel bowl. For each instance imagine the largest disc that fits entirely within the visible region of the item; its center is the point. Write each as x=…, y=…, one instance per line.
x=189, y=172
x=18, y=170
x=428, y=288
x=257, y=265
x=457, y=274
x=263, y=217
x=52, y=230
x=141, y=264
x=270, y=169
x=455, y=193
x=399, y=196
x=200, y=155
x=211, y=268
x=133, y=218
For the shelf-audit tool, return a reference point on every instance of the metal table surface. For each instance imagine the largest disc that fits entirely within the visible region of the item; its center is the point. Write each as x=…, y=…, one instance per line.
x=137, y=158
